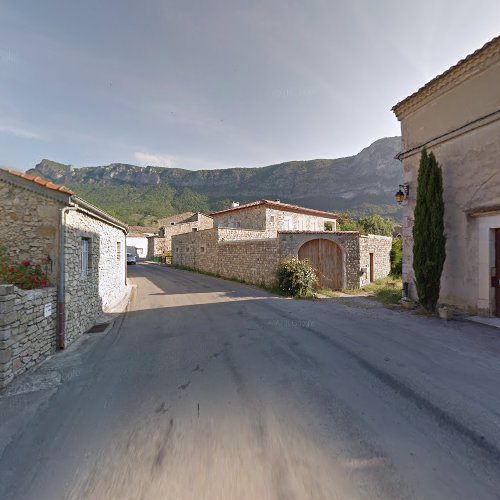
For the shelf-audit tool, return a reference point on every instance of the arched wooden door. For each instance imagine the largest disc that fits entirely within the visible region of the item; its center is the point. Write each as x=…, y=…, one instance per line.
x=326, y=257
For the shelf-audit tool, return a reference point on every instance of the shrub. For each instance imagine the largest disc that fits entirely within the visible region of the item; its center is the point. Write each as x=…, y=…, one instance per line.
x=397, y=257
x=23, y=275
x=296, y=277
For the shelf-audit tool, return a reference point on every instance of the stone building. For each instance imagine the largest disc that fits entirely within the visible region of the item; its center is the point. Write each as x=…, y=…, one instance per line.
x=274, y=216
x=137, y=240
x=82, y=248
x=161, y=243
x=343, y=259
x=457, y=117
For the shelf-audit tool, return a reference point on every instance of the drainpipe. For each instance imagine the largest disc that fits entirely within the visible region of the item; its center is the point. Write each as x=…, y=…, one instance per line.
x=62, y=279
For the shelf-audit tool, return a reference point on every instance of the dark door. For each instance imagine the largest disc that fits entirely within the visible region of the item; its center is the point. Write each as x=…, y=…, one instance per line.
x=496, y=279
x=326, y=258
x=371, y=268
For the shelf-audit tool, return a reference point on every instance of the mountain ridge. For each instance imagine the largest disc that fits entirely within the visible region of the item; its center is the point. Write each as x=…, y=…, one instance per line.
x=363, y=183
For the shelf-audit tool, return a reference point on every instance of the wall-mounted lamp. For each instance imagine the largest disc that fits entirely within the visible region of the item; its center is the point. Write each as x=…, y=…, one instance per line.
x=403, y=193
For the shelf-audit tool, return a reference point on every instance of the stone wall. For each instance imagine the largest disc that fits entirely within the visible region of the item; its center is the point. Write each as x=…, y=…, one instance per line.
x=380, y=247
x=217, y=251
x=280, y=220
x=163, y=244
x=27, y=329
x=271, y=220
x=87, y=295
x=290, y=243
x=250, y=261
x=29, y=225
x=157, y=246
x=197, y=250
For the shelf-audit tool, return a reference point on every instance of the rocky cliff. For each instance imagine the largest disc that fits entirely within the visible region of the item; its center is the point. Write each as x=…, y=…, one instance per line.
x=364, y=183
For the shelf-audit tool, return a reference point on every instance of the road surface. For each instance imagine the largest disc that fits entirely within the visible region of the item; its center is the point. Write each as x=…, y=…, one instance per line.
x=208, y=389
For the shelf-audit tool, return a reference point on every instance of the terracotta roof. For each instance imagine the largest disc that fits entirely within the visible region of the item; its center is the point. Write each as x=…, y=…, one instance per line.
x=278, y=206
x=456, y=74
x=39, y=181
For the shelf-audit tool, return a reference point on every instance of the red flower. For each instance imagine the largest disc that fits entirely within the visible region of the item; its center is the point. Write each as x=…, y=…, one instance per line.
x=26, y=263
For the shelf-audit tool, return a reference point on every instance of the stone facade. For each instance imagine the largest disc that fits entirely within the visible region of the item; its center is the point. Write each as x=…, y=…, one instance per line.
x=27, y=329
x=89, y=294
x=271, y=220
x=250, y=256
x=217, y=251
x=464, y=139
x=290, y=243
x=379, y=264
x=29, y=226
x=31, y=211
x=159, y=245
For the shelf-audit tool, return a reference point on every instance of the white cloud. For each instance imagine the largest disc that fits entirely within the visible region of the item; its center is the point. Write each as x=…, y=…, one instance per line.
x=145, y=159
x=19, y=132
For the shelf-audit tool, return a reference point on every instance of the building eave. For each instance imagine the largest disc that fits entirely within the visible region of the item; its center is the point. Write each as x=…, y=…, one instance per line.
x=463, y=70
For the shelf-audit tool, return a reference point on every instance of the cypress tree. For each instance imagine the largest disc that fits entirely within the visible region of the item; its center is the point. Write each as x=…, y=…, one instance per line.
x=429, y=240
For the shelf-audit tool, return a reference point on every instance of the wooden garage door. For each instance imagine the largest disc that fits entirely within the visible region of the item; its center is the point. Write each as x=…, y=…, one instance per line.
x=326, y=257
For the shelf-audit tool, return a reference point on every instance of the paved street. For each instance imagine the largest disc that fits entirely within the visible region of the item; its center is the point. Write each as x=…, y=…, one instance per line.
x=208, y=389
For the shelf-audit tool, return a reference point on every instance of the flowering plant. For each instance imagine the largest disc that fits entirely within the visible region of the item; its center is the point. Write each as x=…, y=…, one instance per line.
x=24, y=275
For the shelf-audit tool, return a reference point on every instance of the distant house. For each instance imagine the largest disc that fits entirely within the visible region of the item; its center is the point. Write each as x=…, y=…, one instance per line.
x=457, y=117
x=249, y=241
x=161, y=243
x=137, y=240
x=82, y=249
x=274, y=216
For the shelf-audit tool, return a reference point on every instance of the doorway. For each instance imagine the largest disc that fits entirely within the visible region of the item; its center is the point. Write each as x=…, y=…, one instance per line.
x=496, y=278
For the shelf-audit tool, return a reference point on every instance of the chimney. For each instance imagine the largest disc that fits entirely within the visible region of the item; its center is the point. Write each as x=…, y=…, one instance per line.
x=235, y=204
x=277, y=201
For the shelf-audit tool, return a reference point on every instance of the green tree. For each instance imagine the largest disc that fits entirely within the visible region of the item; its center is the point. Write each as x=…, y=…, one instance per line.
x=376, y=224
x=429, y=240
x=346, y=222
x=397, y=257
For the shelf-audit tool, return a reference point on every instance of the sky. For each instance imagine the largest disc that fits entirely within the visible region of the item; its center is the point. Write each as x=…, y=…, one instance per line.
x=218, y=83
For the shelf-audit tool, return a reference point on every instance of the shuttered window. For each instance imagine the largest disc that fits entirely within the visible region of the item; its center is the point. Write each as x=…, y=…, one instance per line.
x=85, y=256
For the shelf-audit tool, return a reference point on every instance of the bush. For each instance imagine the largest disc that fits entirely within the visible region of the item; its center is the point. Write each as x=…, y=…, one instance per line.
x=397, y=257
x=23, y=275
x=296, y=277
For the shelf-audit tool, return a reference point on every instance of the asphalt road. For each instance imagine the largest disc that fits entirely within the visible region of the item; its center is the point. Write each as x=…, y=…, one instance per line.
x=208, y=389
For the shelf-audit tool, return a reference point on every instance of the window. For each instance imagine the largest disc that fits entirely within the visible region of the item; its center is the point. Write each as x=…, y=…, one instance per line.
x=202, y=249
x=85, y=256
x=328, y=226
x=194, y=228
x=172, y=223
x=287, y=224
x=118, y=250
x=271, y=220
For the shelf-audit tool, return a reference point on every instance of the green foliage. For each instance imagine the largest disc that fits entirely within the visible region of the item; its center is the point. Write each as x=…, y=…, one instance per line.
x=141, y=205
x=376, y=224
x=397, y=257
x=371, y=224
x=23, y=275
x=328, y=226
x=296, y=277
x=429, y=239
x=346, y=222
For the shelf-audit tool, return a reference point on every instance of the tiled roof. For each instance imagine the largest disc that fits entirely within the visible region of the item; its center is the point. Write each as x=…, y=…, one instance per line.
x=279, y=206
x=165, y=221
x=455, y=74
x=39, y=181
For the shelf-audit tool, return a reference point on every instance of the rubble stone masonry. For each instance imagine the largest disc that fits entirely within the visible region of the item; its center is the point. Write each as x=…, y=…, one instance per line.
x=28, y=226
x=27, y=329
x=87, y=295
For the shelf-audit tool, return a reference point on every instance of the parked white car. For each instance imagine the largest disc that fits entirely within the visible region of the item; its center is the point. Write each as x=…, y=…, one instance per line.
x=131, y=259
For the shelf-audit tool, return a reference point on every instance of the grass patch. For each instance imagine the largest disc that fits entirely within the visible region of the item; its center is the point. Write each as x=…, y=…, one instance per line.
x=386, y=290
